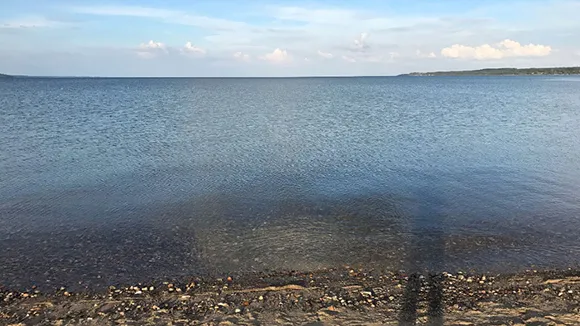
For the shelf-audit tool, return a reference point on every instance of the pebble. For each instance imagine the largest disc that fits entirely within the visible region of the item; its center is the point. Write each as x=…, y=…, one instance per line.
x=360, y=295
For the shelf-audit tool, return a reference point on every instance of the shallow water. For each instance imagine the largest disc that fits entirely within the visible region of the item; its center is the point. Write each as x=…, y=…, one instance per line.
x=119, y=180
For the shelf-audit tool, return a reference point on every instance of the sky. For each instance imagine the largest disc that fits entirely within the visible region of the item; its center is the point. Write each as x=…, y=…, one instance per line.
x=283, y=38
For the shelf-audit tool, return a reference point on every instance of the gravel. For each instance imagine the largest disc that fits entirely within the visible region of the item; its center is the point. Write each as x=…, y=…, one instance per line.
x=332, y=296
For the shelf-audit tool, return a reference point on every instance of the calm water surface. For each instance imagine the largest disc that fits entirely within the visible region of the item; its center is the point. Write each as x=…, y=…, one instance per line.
x=123, y=180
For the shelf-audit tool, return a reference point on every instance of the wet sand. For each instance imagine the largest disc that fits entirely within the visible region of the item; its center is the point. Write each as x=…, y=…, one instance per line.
x=343, y=296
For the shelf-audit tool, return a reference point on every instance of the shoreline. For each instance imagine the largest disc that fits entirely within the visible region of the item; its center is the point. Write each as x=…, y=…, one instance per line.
x=330, y=296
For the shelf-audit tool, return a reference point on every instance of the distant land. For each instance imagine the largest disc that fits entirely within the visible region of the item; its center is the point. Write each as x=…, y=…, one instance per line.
x=502, y=72
x=480, y=72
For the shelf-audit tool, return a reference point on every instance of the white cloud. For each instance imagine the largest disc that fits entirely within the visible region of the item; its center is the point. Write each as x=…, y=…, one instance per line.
x=189, y=48
x=151, y=45
x=504, y=49
x=326, y=55
x=135, y=11
x=430, y=55
x=277, y=56
x=30, y=22
x=165, y=15
x=315, y=16
x=360, y=41
x=151, y=49
x=240, y=56
x=348, y=58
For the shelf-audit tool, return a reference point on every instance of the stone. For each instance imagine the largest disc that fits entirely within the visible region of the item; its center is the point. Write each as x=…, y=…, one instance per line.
x=107, y=308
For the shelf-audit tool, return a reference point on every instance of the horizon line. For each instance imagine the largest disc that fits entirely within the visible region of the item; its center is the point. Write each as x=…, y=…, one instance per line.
x=303, y=76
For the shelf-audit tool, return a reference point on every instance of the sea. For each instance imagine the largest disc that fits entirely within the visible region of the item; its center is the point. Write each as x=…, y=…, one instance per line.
x=122, y=180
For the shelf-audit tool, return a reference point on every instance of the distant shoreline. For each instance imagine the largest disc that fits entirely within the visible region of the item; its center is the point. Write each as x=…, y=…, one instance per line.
x=557, y=71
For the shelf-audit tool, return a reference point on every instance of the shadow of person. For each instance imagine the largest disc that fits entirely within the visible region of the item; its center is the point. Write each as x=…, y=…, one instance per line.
x=426, y=253
x=409, y=304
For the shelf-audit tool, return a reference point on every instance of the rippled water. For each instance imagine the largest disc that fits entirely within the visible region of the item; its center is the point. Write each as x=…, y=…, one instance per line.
x=117, y=180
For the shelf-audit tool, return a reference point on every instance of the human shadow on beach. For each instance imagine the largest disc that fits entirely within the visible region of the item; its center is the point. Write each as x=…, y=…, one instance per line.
x=426, y=256
x=409, y=304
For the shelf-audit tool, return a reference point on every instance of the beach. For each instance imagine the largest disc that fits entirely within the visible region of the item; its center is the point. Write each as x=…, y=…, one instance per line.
x=344, y=296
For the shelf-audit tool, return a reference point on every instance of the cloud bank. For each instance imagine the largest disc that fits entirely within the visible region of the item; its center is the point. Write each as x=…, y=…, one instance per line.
x=504, y=49
x=277, y=56
x=189, y=48
x=151, y=49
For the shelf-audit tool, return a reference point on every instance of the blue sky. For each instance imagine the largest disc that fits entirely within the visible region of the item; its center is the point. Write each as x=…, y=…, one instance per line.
x=283, y=38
